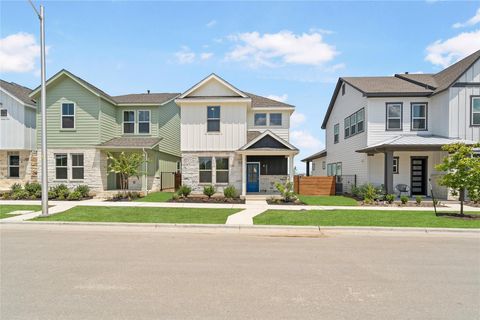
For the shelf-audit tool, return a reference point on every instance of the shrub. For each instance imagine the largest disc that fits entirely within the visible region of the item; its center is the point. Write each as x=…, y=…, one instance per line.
x=286, y=190
x=418, y=199
x=52, y=194
x=75, y=195
x=370, y=193
x=175, y=196
x=184, y=191
x=355, y=191
x=33, y=188
x=474, y=195
x=209, y=190
x=15, y=187
x=83, y=189
x=230, y=192
x=404, y=199
x=61, y=191
x=390, y=198
x=38, y=194
x=132, y=195
x=20, y=195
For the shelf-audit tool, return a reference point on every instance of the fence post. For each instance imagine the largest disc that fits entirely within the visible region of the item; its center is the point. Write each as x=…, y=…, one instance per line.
x=296, y=184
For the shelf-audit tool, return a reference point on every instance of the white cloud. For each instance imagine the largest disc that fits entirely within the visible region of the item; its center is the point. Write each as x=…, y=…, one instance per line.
x=470, y=22
x=211, y=23
x=282, y=98
x=284, y=47
x=18, y=53
x=444, y=53
x=206, y=55
x=304, y=140
x=185, y=55
x=297, y=119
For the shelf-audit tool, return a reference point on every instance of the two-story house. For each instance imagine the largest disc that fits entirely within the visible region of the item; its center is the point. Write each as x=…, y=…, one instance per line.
x=390, y=130
x=84, y=124
x=231, y=137
x=18, y=161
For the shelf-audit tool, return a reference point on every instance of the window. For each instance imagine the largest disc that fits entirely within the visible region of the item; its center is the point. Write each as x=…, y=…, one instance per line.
x=260, y=119
x=275, y=119
x=396, y=163
x=144, y=121
x=313, y=166
x=336, y=133
x=346, y=125
x=419, y=116
x=355, y=123
x=475, y=116
x=332, y=169
x=3, y=112
x=61, y=167
x=221, y=170
x=343, y=89
x=394, y=116
x=213, y=119
x=68, y=116
x=338, y=172
x=323, y=165
x=205, y=169
x=128, y=122
x=14, y=166
x=77, y=166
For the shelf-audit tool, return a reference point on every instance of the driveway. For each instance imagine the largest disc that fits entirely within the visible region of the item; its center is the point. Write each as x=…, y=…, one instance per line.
x=63, y=272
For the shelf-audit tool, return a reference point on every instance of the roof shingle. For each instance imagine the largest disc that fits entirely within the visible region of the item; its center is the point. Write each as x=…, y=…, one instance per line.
x=18, y=91
x=153, y=98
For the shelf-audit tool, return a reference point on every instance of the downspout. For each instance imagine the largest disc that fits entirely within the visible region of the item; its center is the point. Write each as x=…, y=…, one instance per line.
x=145, y=174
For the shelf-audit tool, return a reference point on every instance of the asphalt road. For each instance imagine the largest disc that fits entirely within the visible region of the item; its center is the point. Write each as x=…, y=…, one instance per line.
x=79, y=273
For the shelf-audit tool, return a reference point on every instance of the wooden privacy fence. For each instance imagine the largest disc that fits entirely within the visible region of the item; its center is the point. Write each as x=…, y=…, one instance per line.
x=314, y=186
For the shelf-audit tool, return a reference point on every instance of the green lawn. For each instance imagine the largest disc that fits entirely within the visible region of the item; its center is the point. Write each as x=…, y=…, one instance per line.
x=156, y=197
x=4, y=209
x=328, y=200
x=401, y=218
x=147, y=215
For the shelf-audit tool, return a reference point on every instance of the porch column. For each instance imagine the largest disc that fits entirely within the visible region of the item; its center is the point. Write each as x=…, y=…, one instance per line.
x=291, y=171
x=388, y=176
x=244, y=175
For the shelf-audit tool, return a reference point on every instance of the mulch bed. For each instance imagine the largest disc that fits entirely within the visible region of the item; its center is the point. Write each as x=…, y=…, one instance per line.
x=283, y=203
x=399, y=204
x=208, y=200
x=458, y=216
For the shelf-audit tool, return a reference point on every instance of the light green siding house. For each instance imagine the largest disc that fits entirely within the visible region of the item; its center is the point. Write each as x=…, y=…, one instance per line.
x=84, y=124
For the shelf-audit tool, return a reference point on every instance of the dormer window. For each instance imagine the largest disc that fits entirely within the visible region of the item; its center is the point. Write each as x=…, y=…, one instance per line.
x=260, y=119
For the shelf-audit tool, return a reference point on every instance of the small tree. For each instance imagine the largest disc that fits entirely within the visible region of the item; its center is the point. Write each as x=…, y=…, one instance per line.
x=286, y=190
x=462, y=170
x=126, y=165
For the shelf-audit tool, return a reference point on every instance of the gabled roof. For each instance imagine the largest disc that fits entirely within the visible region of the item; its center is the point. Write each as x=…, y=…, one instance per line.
x=269, y=134
x=96, y=91
x=217, y=78
x=145, y=98
x=405, y=85
x=19, y=92
x=317, y=155
x=130, y=143
x=262, y=102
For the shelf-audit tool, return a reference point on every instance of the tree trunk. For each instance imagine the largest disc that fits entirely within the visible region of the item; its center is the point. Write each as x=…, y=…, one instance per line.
x=462, y=199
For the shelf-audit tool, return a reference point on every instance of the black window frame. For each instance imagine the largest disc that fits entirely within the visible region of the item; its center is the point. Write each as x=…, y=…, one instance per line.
x=397, y=165
x=387, y=104
x=472, y=97
x=10, y=166
x=412, y=104
x=353, y=126
x=130, y=122
x=212, y=120
x=61, y=167
x=3, y=113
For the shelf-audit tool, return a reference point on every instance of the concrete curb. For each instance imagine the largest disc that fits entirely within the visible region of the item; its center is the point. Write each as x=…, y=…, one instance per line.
x=246, y=229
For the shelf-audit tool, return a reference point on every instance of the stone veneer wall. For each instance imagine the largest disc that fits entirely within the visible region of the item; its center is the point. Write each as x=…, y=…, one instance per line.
x=28, y=169
x=190, y=173
x=95, y=168
x=267, y=182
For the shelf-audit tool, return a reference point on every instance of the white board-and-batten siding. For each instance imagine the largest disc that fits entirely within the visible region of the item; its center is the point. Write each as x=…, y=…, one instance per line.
x=282, y=131
x=17, y=129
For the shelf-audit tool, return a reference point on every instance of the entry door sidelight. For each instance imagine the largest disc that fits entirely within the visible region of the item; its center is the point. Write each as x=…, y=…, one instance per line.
x=253, y=177
x=418, y=184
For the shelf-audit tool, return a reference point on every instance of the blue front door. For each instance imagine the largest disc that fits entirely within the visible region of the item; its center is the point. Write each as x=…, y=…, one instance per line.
x=253, y=177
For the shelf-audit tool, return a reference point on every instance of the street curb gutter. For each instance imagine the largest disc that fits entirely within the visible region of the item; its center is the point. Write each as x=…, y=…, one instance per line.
x=243, y=229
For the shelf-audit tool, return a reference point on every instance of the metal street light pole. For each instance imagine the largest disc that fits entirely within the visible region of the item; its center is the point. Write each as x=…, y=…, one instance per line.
x=43, y=99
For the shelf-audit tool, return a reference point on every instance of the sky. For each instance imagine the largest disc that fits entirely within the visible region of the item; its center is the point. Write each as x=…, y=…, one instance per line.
x=289, y=51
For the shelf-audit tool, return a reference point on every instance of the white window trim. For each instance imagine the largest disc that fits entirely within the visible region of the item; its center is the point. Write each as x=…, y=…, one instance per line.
x=72, y=166
x=55, y=159
x=123, y=122
x=393, y=118
x=149, y=122
x=223, y=170
x=74, y=116
x=396, y=165
x=472, y=112
x=219, y=120
x=413, y=105
x=270, y=122
x=17, y=166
